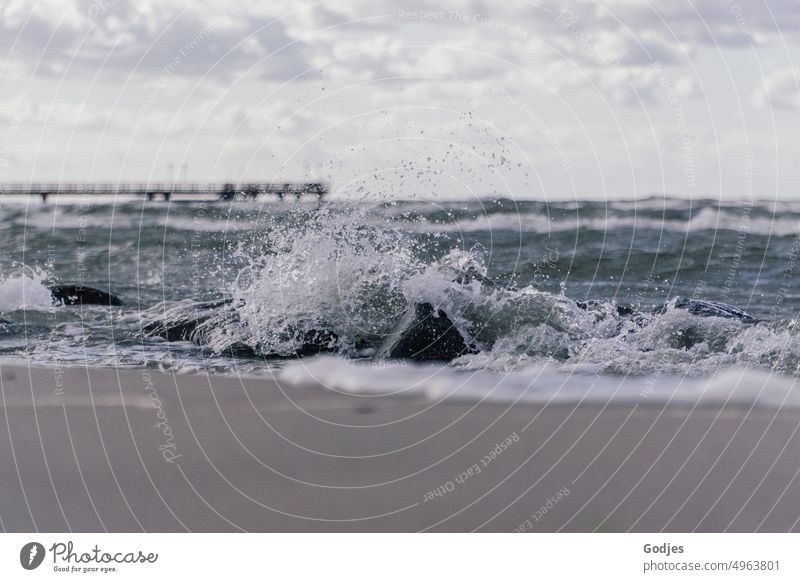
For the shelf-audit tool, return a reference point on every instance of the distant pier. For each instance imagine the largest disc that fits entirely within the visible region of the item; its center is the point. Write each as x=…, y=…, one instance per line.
x=169, y=190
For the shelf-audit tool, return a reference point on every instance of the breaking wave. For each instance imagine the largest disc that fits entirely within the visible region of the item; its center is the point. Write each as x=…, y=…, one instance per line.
x=24, y=290
x=268, y=279
x=333, y=274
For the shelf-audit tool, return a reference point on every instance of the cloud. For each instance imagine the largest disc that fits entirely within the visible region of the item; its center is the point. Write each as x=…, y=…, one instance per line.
x=279, y=40
x=128, y=38
x=707, y=22
x=780, y=90
x=245, y=82
x=147, y=34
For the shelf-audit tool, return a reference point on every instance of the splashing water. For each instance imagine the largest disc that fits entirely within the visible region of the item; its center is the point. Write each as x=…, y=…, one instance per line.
x=334, y=271
x=25, y=290
x=331, y=273
x=352, y=269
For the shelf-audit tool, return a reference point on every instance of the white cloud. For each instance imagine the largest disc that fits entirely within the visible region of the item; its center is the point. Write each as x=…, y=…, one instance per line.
x=780, y=90
x=213, y=80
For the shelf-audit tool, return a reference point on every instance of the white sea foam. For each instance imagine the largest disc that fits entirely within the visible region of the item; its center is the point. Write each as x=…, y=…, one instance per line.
x=24, y=291
x=351, y=270
x=336, y=273
x=540, y=223
x=545, y=384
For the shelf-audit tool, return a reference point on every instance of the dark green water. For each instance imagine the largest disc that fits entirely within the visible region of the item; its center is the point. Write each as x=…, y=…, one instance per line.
x=354, y=266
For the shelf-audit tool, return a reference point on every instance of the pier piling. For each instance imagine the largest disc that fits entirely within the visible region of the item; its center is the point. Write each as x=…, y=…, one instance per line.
x=225, y=192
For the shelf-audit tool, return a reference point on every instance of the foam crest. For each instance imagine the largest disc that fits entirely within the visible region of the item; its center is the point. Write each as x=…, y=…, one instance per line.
x=547, y=384
x=24, y=291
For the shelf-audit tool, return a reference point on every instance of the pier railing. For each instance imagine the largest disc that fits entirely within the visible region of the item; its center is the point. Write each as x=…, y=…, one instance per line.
x=168, y=190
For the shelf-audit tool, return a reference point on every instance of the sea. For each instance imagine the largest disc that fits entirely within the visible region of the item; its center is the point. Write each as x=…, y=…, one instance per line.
x=565, y=301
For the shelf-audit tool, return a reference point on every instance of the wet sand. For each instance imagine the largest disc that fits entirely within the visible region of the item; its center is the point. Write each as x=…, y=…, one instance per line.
x=134, y=450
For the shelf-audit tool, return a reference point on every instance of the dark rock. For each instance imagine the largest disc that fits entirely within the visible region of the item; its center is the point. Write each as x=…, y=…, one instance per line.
x=314, y=342
x=424, y=334
x=472, y=274
x=180, y=323
x=239, y=350
x=216, y=323
x=317, y=341
x=622, y=310
x=81, y=295
x=705, y=308
x=625, y=310
x=698, y=307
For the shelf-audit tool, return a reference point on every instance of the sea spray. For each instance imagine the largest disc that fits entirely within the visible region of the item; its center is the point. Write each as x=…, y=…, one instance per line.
x=322, y=271
x=353, y=268
x=24, y=290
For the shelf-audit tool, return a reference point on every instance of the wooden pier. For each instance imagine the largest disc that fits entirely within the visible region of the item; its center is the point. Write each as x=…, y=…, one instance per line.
x=169, y=190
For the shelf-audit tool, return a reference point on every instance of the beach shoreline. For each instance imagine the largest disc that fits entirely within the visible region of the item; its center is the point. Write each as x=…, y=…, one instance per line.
x=126, y=450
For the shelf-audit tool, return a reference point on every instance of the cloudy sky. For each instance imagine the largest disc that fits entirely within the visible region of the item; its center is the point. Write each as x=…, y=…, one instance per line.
x=545, y=99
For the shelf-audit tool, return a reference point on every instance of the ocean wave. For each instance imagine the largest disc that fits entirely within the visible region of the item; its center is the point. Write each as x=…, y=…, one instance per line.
x=337, y=276
x=347, y=272
x=707, y=219
x=545, y=384
x=24, y=291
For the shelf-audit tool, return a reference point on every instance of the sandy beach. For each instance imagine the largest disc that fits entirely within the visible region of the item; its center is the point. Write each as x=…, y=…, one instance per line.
x=140, y=450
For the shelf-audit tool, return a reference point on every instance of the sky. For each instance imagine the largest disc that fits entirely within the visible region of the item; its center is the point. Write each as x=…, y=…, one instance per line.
x=547, y=100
